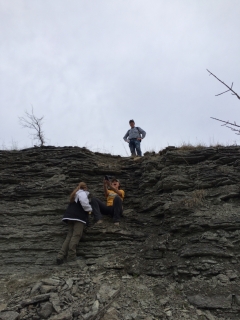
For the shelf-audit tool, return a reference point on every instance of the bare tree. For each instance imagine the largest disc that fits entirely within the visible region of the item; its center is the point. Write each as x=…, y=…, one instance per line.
x=32, y=122
x=233, y=126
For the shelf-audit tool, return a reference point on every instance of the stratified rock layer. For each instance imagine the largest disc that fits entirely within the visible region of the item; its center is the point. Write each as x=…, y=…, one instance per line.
x=174, y=256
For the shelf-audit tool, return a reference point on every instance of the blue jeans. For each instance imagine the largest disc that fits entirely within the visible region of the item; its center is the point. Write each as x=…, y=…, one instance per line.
x=135, y=144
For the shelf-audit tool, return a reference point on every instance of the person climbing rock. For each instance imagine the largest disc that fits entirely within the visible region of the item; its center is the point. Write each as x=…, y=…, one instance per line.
x=134, y=137
x=76, y=216
x=114, y=196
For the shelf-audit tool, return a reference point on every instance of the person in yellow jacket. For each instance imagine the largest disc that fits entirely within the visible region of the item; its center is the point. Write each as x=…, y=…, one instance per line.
x=114, y=196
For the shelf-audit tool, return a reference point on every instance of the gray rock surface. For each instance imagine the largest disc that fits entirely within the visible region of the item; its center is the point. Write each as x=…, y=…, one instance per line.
x=9, y=315
x=175, y=254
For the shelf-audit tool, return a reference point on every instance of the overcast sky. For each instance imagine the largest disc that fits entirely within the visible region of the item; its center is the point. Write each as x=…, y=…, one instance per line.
x=89, y=66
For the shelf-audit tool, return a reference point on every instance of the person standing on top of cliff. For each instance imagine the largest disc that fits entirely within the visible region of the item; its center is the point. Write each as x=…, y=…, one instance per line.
x=114, y=196
x=134, y=137
x=76, y=216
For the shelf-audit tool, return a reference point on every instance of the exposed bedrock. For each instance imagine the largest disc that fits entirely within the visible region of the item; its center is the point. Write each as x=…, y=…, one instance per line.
x=174, y=256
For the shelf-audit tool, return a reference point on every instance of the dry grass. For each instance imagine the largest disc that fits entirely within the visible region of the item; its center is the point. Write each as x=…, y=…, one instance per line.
x=195, y=199
x=188, y=146
x=12, y=147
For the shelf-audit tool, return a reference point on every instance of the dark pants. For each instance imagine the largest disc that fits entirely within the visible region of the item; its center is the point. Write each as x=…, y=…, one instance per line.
x=69, y=247
x=100, y=208
x=135, y=144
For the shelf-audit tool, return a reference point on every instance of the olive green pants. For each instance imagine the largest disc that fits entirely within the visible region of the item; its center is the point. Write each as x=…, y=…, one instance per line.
x=69, y=247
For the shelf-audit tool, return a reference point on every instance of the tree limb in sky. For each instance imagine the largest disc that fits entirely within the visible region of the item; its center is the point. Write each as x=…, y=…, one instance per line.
x=32, y=122
x=232, y=126
x=227, y=123
x=229, y=88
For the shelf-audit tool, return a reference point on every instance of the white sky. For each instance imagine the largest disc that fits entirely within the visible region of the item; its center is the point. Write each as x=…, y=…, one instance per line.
x=89, y=66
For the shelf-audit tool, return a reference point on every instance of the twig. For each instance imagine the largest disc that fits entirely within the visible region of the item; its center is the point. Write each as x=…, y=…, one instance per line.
x=229, y=88
x=226, y=122
x=233, y=129
x=125, y=149
x=231, y=124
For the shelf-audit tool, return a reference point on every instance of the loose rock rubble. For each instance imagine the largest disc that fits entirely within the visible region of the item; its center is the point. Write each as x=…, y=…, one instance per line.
x=174, y=256
x=82, y=292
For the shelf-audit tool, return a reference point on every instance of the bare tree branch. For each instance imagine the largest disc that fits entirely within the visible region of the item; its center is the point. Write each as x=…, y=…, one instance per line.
x=229, y=88
x=32, y=122
x=228, y=124
x=233, y=129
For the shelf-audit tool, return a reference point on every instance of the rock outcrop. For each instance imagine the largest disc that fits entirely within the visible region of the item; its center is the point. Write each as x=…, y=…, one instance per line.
x=174, y=256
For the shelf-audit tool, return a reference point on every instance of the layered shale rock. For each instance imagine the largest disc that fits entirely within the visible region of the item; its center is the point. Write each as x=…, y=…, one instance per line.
x=174, y=256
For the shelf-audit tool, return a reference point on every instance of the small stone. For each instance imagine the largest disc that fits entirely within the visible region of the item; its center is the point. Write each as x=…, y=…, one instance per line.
x=47, y=289
x=164, y=301
x=54, y=299
x=23, y=314
x=87, y=280
x=69, y=282
x=46, y=310
x=51, y=282
x=74, y=289
x=95, y=306
x=199, y=312
x=134, y=315
x=222, y=278
x=86, y=310
x=9, y=315
x=65, y=315
x=111, y=314
x=214, y=302
x=231, y=275
x=97, y=279
x=36, y=299
x=36, y=288
x=3, y=306
x=68, y=296
x=209, y=316
x=116, y=305
x=168, y=313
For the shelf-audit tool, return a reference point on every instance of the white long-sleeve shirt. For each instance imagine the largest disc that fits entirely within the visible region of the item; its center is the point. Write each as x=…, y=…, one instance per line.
x=82, y=196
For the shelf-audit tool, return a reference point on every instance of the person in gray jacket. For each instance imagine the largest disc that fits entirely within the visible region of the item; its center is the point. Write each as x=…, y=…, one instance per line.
x=134, y=137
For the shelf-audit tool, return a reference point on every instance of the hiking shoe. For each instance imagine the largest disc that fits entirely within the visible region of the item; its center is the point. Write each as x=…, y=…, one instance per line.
x=59, y=261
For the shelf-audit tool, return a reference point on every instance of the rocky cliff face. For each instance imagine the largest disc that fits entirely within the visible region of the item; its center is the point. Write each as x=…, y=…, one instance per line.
x=174, y=256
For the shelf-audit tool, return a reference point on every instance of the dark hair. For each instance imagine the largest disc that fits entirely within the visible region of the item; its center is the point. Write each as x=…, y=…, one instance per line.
x=131, y=120
x=114, y=179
